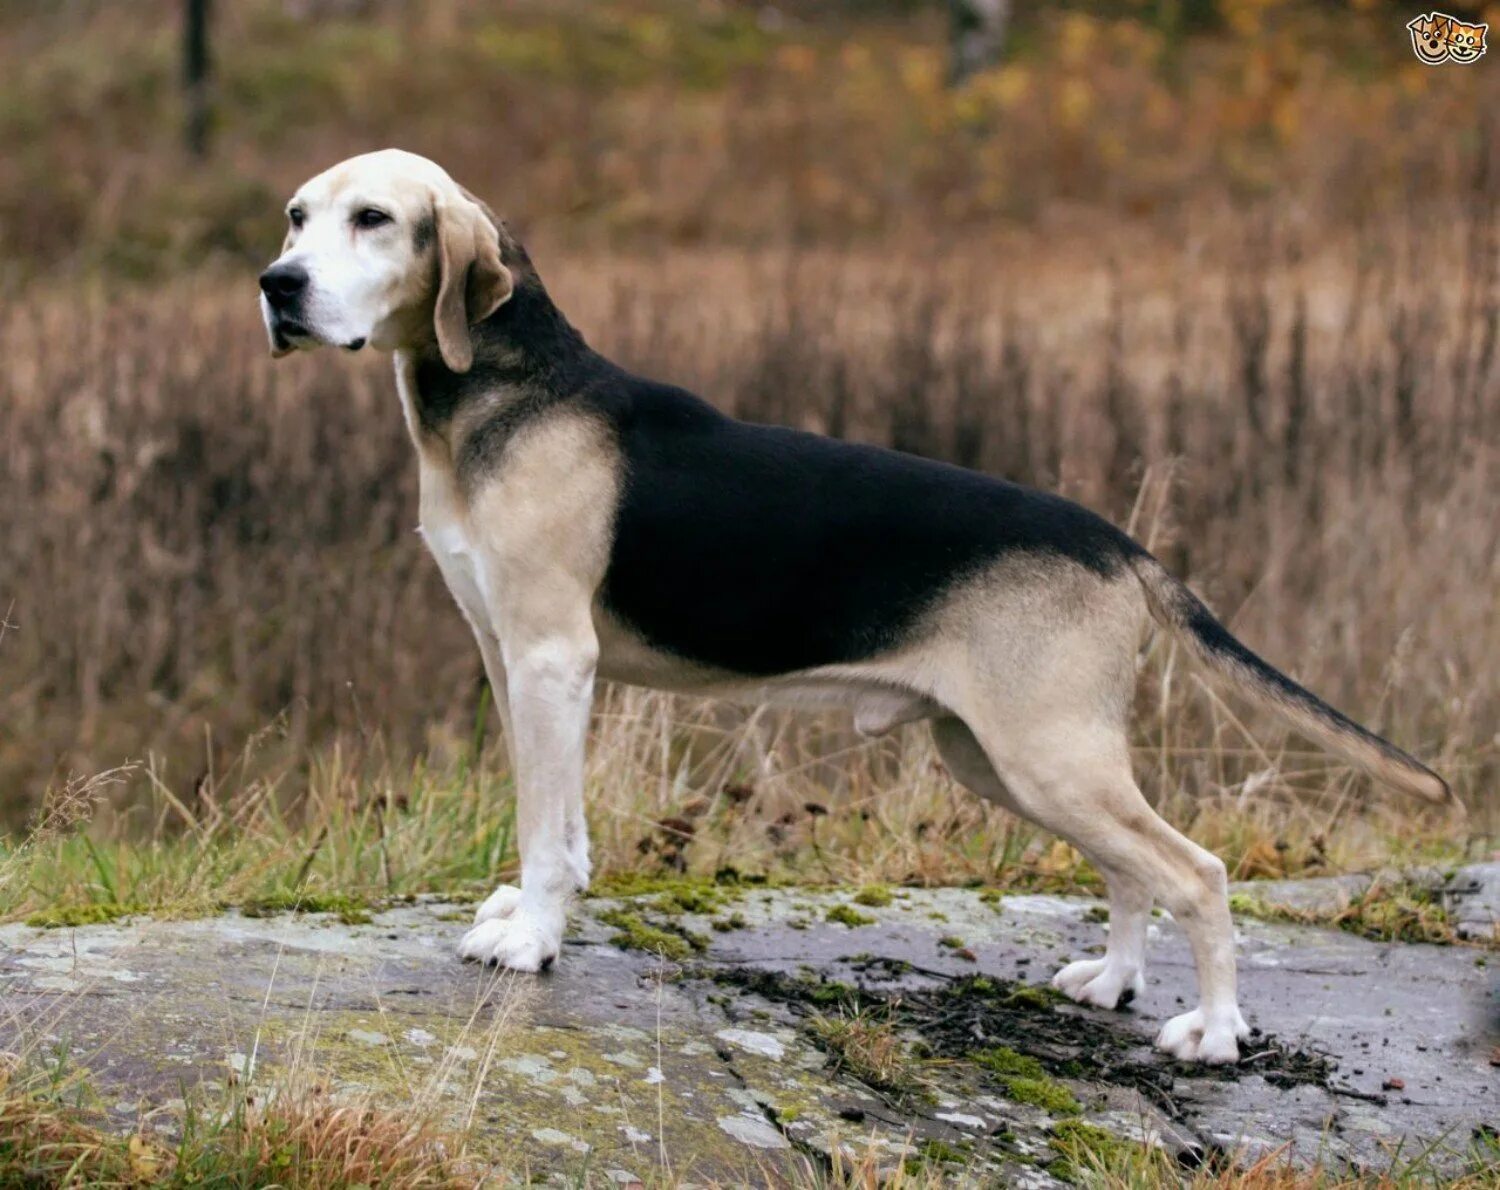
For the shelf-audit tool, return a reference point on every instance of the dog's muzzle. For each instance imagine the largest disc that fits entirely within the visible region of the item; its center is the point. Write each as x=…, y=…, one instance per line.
x=284, y=285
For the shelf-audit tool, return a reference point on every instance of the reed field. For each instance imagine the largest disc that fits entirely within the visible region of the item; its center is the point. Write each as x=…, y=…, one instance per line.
x=217, y=596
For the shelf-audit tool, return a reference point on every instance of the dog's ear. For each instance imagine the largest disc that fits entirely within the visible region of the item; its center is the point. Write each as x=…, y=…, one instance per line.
x=472, y=281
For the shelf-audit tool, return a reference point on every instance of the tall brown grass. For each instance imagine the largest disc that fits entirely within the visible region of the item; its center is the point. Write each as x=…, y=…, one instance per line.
x=202, y=547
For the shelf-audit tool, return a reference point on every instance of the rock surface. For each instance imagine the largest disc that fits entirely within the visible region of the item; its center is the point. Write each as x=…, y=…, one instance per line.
x=711, y=1068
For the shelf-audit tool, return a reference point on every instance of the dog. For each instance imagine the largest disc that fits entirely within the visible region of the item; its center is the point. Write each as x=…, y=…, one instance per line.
x=595, y=525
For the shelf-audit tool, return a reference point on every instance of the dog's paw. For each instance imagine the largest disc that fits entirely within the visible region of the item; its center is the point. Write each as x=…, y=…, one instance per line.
x=521, y=942
x=500, y=903
x=1099, y=982
x=1192, y=1037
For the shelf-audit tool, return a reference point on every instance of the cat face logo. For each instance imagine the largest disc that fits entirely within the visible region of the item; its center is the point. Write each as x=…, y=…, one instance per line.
x=1465, y=42
x=1437, y=38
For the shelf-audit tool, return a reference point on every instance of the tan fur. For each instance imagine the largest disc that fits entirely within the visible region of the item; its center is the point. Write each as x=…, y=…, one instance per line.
x=472, y=283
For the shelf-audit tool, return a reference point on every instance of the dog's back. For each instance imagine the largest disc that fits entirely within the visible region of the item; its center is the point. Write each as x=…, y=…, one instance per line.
x=762, y=550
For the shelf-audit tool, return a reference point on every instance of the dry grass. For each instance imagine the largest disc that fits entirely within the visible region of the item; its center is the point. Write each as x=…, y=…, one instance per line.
x=869, y=1046
x=214, y=545
x=1090, y=1157
x=304, y=1142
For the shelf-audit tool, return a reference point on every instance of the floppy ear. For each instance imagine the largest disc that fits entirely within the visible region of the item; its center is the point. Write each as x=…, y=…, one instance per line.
x=472, y=281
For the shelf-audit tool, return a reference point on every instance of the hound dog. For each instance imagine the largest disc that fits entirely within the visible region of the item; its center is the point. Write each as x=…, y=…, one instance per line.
x=592, y=524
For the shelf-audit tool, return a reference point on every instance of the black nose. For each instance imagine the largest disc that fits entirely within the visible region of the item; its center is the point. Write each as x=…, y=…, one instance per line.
x=281, y=283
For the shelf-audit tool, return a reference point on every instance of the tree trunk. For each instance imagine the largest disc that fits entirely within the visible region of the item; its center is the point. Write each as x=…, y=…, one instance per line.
x=977, y=36
x=195, y=69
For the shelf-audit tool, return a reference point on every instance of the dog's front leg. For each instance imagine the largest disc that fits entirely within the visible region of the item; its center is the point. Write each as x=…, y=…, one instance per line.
x=549, y=678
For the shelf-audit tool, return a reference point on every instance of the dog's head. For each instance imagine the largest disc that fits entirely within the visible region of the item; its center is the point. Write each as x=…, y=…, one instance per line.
x=384, y=249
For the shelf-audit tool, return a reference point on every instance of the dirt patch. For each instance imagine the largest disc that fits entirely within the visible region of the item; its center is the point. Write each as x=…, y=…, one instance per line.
x=961, y=1020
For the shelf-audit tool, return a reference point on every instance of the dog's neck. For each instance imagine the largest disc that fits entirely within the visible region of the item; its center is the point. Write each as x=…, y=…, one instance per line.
x=527, y=341
x=524, y=353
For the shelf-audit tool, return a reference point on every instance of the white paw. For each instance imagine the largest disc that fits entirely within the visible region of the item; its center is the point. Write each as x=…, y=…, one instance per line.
x=1099, y=982
x=1192, y=1037
x=500, y=903
x=522, y=942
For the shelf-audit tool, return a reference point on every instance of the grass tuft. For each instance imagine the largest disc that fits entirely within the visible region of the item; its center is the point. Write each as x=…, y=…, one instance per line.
x=870, y=1047
x=305, y=1143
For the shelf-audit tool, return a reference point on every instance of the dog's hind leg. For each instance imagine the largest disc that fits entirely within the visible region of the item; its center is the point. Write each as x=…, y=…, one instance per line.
x=1071, y=775
x=1120, y=975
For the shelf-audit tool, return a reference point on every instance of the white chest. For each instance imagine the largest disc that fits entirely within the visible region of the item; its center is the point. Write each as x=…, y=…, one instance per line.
x=442, y=516
x=449, y=537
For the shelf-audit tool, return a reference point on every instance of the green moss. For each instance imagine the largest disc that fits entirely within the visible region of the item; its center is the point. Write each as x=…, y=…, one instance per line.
x=1045, y=1093
x=1096, y=913
x=1003, y=1060
x=80, y=915
x=1084, y=1148
x=848, y=915
x=1042, y=999
x=682, y=894
x=992, y=897
x=349, y=910
x=735, y=921
x=933, y=1151
x=951, y=942
x=634, y=933
x=1026, y=1081
x=874, y=896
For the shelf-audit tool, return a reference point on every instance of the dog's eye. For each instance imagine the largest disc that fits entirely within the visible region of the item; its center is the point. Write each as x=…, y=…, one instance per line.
x=295, y=216
x=370, y=217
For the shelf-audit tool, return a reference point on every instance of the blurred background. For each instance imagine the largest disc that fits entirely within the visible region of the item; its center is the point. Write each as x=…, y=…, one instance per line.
x=1227, y=271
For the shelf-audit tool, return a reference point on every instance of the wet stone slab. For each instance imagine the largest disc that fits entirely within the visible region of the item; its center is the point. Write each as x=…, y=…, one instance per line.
x=715, y=1067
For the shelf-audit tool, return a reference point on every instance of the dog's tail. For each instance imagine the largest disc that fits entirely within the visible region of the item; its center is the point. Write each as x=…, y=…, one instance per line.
x=1183, y=614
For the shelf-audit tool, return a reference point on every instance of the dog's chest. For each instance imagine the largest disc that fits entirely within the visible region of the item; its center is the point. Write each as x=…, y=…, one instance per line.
x=441, y=515
x=449, y=539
